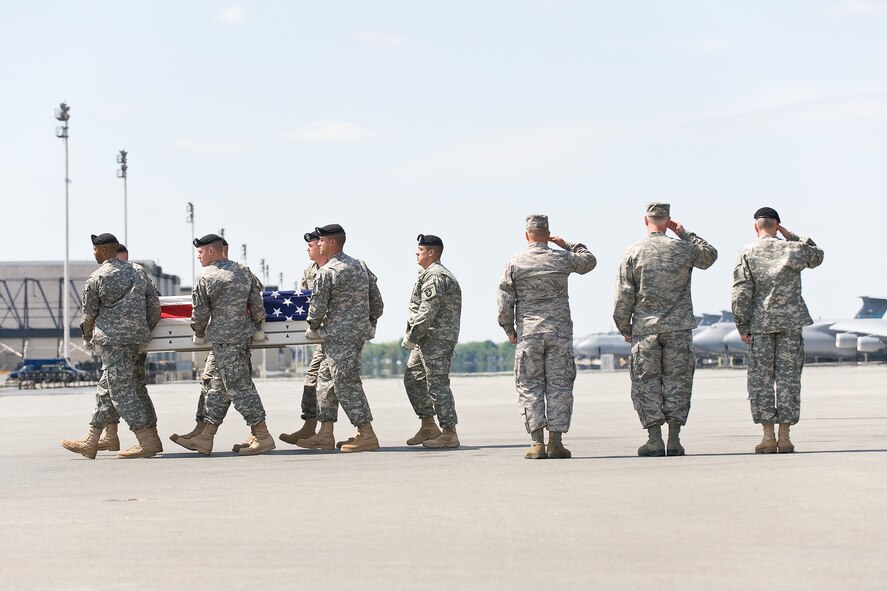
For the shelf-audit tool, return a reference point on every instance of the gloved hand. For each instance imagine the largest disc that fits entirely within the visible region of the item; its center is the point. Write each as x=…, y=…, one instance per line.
x=259, y=336
x=408, y=344
x=199, y=340
x=312, y=335
x=89, y=346
x=143, y=348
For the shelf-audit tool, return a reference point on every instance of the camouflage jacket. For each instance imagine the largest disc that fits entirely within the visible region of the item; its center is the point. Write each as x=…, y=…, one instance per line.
x=227, y=303
x=346, y=302
x=308, y=276
x=533, y=289
x=653, y=285
x=435, y=306
x=767, y=284
x=153, y=306
x=118, y=305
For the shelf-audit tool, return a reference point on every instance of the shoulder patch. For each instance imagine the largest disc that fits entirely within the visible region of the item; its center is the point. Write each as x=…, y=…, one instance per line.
x=429, y=291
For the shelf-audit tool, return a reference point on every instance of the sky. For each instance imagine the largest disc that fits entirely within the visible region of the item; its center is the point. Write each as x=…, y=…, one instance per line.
x=453, y=118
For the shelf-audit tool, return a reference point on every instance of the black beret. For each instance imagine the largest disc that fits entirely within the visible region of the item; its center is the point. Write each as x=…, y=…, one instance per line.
x=309, y=236
x=103, y=239
x=329, y=230
x=208, y=239
x=121, y=248
x=429, y=240
x=224, y=242
x=768, y=212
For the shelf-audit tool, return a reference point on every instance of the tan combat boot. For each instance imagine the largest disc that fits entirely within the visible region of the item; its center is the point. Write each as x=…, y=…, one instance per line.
x=145, y=448
x=768, y=444
x=674, y=447
x=427, y=431
x=263, y=441
x=194, y=433
x=246, y=443
x=654, y=447
x=87, y=447
x=308, y=430
x=202, y=443
x=110, y=442
x=784, y=444
x=351, y=439
x=155, y=438
x=323, y=439
x=537, y=449
x=556, y=449
x=365, y=441
x=449, y=439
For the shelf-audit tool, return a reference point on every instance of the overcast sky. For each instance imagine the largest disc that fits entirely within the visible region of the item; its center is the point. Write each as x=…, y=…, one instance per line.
x=451, y=118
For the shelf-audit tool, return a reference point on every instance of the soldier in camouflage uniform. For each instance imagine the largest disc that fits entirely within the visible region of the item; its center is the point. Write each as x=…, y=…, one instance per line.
x=309, y=390
x=209, y=366
x=534, y=311
x=118, y=309
x=431, y=335
x=770, y=314
x=228, y=312
x=654, y=312
x=344, y=308
x=104, y=406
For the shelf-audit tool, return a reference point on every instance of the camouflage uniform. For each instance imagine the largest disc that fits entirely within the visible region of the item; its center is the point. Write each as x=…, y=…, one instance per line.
x=309, y=391
x=767, y=304
x=227, y=311
x=345, y=306
x=435, y=314
x=119, y=306
x=105, y=412
x=533, y=297
x=654, y=307
x=209, y=366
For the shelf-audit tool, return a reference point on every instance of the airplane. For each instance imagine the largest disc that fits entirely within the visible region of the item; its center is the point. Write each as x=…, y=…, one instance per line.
x=612, y=343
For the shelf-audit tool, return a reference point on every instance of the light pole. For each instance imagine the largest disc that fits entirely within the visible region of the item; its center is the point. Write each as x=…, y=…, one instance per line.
x=121, y=174
x=190, y=220
x=63, y=114
x=243, y=252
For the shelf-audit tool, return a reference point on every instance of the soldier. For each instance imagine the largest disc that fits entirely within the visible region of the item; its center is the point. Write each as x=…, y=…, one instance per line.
x=654, y=312
x=770, y=314
x=432, y=332
x=228, y=312
x=118, y=309
x=344, y=308
x=533, y=297
x=110, y=441
x=309, y=390
x=209, y=366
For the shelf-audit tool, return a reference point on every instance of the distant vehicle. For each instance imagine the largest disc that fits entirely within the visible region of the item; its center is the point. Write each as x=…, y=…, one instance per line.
x=48, y=370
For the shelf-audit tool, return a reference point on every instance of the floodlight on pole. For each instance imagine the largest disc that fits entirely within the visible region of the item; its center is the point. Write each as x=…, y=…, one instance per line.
x=190, y=220
x=243, y=252
x=121, y=174
x=63, y=113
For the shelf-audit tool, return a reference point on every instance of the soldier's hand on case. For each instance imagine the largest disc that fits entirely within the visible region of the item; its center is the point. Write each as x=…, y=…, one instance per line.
x=89, y=346
x=259, y=336
x=746, y=338
x=199, y=340
x=408, y=344
x=627, y=338
x=512, y=338
x=312, y=335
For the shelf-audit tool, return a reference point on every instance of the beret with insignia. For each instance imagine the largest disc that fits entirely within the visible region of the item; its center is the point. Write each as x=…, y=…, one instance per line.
x=329, y=230
x=208, y=239
x=768, y=212
x=122, y=248
x=309, y=236
x=103, y=239
x=429, y=240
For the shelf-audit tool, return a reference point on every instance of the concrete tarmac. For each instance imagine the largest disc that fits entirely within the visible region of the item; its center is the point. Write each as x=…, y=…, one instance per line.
x=480, y=517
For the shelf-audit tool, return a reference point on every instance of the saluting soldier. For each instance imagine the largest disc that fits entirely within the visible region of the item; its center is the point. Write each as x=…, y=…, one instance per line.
x=654, y=312
x=345, y=306
x=119, y=308
x=228, y=312
x=431, y=336
x=770, y=314
x=534, y=311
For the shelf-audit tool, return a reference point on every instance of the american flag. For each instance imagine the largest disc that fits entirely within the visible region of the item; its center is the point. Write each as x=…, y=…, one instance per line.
x=280, y=306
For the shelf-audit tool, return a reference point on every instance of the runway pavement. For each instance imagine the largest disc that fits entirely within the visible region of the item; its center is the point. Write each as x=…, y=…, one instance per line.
x=480, y=517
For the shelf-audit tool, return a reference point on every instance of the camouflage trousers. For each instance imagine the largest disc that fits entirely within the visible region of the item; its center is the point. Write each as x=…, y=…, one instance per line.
x=104, y=408
x=544, y=372
x=118, y=386
x=309, y=390
x=775, y=359
x=205, y=382
x=662, y=367
x=338, y=382
x=232, y=381
x=427, y=381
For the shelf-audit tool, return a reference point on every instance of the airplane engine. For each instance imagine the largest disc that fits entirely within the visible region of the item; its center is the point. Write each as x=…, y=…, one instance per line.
x=846, y=341
x=869, y=344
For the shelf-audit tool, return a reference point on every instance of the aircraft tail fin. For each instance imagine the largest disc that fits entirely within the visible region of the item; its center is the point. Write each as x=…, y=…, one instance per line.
x=872, y=307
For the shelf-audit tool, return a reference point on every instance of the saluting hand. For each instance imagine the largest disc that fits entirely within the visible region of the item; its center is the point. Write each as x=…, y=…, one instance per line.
x=558, y=240
x=785, y=233
x=675, y=227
